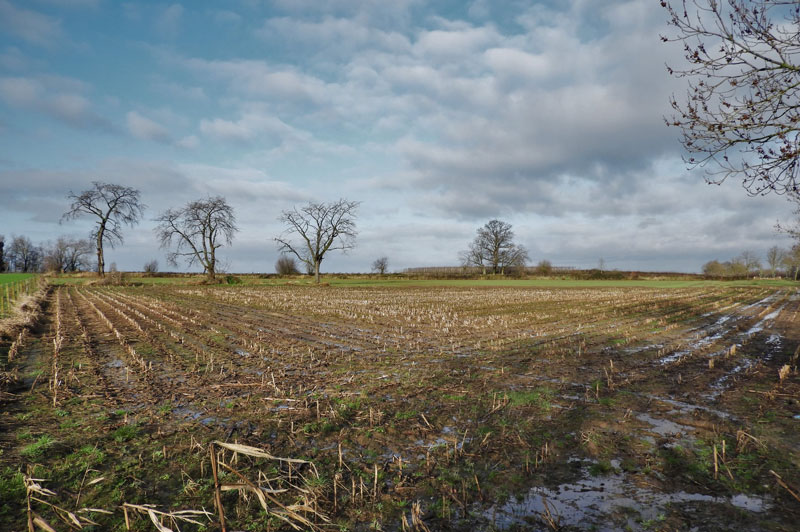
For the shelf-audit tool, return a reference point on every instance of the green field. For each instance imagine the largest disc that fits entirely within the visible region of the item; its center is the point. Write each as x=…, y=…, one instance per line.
x=389, y=281
x=6, y=278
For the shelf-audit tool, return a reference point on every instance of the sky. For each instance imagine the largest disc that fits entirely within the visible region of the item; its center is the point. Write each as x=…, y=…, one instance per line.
x=437, y=115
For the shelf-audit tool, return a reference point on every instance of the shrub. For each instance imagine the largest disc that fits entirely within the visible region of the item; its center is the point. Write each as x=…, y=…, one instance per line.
x=286, y=265
x=151, y=267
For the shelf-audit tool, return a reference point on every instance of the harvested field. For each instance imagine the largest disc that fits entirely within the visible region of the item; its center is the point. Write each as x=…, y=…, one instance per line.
x=403, y=408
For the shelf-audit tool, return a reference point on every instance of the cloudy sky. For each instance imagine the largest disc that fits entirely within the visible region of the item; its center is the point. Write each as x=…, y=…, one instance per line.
x=437, y=115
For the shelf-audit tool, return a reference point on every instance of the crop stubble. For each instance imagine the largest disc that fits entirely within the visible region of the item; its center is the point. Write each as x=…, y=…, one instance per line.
x=460, y=408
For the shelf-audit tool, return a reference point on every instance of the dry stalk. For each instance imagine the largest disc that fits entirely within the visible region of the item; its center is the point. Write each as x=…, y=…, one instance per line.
x=553, y=521
x=34, y=492
x=785, y=486
x=157, y=517
x=416, y=518
x=743, y=440
x=294, y=514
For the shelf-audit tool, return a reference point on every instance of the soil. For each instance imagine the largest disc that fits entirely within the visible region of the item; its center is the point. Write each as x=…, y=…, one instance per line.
x=406, y=408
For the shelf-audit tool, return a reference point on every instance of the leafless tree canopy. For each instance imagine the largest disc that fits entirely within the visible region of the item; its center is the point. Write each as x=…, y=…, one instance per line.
x=774, y=258
x=114, y=206
x=23, y=255
x=791, y=261
x=286, y=265
x=319, y=228
x=3, y=266
x=67, y=255
x=380, y=265
x=494, y=248
x=741, y=113
x=151, y=267
x=195, y=232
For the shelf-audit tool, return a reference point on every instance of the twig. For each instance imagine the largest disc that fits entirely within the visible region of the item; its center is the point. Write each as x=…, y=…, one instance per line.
x=784, y=485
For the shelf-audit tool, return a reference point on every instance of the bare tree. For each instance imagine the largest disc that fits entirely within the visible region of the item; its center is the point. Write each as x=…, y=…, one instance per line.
x=380, y=265
x=67, y=255
x=24, y=255
x=741, y=115
x=151, y=267
x=750, y=261
x=197, y=231
x=774, y=259
x=114, y=206
x=3, y=266
x=321, y=227
x=286, y=265
x=791, y=260
x=494, y=248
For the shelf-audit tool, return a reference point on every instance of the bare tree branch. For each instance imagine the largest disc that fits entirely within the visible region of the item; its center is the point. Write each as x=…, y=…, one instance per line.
x=196, y=231
x=322, y=227
x=741, y=113
x=114, y=206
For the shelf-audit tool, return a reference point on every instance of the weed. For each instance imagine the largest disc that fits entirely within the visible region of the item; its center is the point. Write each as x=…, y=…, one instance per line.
x=38, y=448
x=449, y=397
x=125, y=433
x=12, y=489
x=540, y=397
x=601, y=468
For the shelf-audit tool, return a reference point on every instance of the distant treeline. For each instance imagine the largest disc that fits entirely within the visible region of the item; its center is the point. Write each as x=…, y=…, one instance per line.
x=780, y=263
x=468, y=272
x=568, y=272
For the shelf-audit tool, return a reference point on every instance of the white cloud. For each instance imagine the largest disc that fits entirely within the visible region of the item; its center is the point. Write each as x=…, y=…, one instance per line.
x=20, y=92
x=55, y=96
x=452, y=44
x=168, y=22
x=12, y=58
x=247, y=128
x=28, y=25
x=71, y=3
x=144, y=128
x=189, y=142
x=259, y=79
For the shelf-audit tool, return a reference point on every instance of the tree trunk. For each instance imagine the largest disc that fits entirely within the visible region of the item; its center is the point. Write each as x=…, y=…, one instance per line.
x=211, y=269
x=101, y=267
x=316, y=272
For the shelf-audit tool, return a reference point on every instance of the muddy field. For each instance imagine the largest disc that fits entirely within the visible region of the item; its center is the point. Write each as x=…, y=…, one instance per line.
x=404, y=409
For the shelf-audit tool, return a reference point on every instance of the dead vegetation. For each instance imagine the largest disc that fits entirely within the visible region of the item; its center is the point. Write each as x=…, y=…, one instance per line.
x=406, y=409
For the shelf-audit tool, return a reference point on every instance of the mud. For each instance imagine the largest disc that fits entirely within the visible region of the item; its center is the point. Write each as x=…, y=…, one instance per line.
x=489, y=408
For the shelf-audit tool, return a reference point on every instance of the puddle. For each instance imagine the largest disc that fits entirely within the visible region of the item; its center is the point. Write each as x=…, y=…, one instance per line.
x=765, y=321
x=772, y=344
x=663, y=427
x=687, y=408
x=719, y=333
x=194, y=415
x=593, y=502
